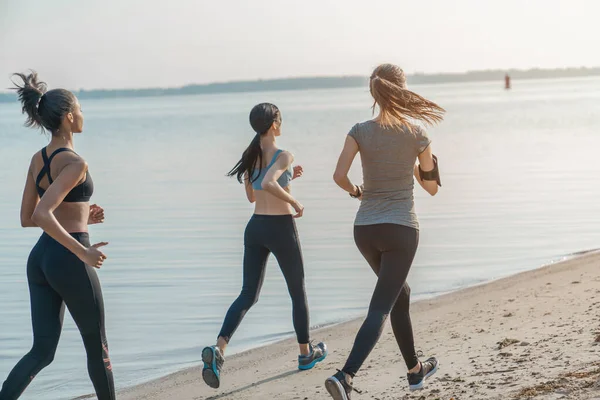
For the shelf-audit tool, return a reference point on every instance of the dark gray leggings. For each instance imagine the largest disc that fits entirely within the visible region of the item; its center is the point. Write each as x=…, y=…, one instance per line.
x=266, y=234
x=389, y=249
x=57, y=277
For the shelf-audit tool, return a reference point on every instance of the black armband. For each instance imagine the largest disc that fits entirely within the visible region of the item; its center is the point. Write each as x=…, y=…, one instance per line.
x=433, y=175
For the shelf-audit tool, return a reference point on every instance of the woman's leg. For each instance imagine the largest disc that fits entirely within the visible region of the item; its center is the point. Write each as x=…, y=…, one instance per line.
x=80, y=289
x=255, y=263
x=397, y=246
x=286, y=248
x=402, y=327
x=47, y=311
x=400, y=317
x=285, y=245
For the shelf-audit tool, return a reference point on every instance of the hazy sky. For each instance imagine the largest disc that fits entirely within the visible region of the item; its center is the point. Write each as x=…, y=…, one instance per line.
x=141, y=43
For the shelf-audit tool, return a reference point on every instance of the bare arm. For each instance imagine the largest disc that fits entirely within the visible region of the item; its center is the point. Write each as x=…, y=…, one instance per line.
x=426, y=163
x=340, y=176
x=249, y=189
x=29, y=202
x=43, y=215
x=270, y=184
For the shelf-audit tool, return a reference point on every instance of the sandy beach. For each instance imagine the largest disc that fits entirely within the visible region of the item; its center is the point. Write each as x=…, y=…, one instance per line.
x=529, y=336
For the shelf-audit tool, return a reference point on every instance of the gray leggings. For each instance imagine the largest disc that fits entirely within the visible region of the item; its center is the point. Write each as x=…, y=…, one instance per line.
x=389, y=249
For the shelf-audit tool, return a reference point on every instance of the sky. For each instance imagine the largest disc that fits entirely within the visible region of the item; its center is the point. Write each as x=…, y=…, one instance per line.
x=149, y=43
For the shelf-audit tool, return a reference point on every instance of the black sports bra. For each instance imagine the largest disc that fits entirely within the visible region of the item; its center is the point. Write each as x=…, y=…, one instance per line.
x=79, y=194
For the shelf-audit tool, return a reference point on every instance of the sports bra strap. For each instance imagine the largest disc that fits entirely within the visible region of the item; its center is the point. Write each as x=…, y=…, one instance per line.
x=43, y=170
x=45, y=156
x=47, y=160
x=57, y=151
x=277, y=153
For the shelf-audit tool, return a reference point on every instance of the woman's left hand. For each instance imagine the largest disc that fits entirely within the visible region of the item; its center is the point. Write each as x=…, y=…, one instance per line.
x=358, y=189
x=298, y=171
x=96, y=215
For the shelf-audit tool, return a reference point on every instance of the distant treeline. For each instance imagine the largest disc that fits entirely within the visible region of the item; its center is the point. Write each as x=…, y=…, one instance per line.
x=325, y=83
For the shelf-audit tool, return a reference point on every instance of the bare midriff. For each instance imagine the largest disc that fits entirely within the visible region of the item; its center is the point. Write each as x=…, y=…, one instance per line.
x=267, y=204
x=73, y=216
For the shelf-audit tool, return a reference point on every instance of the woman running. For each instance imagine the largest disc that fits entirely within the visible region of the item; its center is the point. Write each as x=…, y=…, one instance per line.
x=386, y=230
x=266, y=172
x=60, y=268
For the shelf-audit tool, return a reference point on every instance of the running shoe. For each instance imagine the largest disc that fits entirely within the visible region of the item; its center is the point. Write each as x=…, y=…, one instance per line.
x=340, y=386
x=428, y=368
x=213, y=362
x=317, y=354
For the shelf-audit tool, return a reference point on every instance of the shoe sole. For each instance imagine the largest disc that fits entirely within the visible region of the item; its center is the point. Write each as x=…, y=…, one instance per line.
x=210, y=373
x=419, y=386
x=335, y=389
x=313, y=363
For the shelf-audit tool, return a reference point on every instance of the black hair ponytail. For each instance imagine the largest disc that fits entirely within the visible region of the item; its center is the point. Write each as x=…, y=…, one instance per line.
x=262, y=117
x=30, y=94
x=44, y=109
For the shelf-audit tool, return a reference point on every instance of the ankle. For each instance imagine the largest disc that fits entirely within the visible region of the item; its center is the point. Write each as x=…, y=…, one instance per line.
x=305, y=349
x=416, y=369
x=349, y=376
x=222, y=345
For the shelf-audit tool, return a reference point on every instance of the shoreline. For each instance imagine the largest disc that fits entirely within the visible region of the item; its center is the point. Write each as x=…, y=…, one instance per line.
x=267, y=370
x=325, y=82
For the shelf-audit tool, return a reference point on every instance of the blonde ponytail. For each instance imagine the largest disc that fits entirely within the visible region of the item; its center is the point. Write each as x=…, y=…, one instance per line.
x=396, y=103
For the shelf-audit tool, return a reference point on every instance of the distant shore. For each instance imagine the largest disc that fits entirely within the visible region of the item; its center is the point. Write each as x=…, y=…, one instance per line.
x=534, y=335
x=325, y=83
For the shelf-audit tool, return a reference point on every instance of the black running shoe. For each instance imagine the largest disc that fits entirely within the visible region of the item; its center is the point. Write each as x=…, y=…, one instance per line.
x=317, y=354
x=213, y=362
x=339, y=386
x=428, y=368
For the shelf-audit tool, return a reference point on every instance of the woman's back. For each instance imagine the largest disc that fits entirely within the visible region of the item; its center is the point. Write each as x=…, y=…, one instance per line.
x=388, y=156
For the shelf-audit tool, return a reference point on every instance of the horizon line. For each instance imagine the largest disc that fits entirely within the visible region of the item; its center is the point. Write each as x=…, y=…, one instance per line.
x=296, y=77
x=317, y=77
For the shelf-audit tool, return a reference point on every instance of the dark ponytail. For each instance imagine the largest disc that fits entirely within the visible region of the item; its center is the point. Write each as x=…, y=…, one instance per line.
x=44, y=109
x=262, y=117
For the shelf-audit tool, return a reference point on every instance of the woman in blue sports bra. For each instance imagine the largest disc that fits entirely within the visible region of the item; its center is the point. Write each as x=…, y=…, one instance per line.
x=266, y=173
x=61, y=266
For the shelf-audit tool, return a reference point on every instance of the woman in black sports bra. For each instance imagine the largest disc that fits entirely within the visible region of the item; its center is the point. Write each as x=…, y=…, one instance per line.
x=61, y=266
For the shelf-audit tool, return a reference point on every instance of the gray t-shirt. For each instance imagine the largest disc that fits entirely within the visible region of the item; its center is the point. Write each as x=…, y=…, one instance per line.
x=388, y=157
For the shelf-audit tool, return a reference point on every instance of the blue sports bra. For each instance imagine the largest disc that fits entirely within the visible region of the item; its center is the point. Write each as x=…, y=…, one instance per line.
x=79, y=194
x=284, y=180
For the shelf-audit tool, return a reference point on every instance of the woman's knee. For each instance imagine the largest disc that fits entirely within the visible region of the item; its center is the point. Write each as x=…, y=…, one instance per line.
x=404, y=298
x=248, y=298
x=43, y=351
x=377, y=317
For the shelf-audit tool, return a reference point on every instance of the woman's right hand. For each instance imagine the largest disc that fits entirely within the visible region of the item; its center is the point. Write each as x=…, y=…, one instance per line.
x=299, y=208
x=94, y=257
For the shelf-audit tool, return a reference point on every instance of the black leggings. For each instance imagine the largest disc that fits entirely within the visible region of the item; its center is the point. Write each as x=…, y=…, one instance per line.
x=389, y=249
x=266, y=234
x=57, y=277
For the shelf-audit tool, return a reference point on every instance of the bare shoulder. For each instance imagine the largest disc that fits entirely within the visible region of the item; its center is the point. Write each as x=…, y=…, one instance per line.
x=286, y=157
x=36, y=163
x=71, y=160
x=36, y=159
